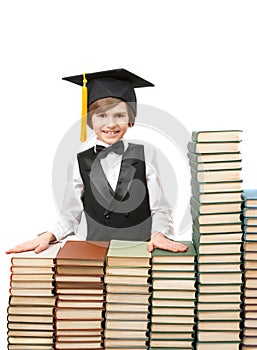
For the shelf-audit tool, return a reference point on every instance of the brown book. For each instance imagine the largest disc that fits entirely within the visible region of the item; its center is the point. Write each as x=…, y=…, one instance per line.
x=78, y=313
x=32, y=301
x=78, y=345
x=79, y=324
x=31, y=310
x=82, y=253
x=79, y=304
x=78, y=333
x=76, y=279
x=30, y=347
x=79, y=270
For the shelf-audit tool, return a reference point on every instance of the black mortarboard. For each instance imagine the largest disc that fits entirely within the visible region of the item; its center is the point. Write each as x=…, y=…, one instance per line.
x=118, y=83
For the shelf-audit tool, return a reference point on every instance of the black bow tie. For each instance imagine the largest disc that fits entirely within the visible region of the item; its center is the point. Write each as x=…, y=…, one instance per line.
x=117, y=147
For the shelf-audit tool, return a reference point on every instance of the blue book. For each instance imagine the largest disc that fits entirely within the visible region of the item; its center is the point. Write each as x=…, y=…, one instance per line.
x=250, y=197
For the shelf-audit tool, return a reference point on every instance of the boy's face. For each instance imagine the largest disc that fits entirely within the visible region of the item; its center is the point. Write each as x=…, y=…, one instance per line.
x=111, y=125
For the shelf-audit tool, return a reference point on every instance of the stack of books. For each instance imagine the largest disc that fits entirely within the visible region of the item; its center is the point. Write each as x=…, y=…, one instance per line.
x=80, y=295
x=128, y=291
x=32, y=300
x=250, y=269
x=173, y=299
x=216, y=207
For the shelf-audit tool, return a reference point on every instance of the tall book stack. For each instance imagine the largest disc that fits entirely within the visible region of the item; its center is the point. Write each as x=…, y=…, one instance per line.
x=127, y=285
x=250, y=269
x=80, y=295
x=215, y=162
x=173, y=299
x=32, y=300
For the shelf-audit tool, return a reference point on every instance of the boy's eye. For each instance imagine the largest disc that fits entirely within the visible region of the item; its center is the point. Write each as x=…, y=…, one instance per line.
x=119, y=115
x=102, y=115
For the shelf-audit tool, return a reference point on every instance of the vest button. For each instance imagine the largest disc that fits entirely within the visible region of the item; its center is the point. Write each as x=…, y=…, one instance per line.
x=107, y=216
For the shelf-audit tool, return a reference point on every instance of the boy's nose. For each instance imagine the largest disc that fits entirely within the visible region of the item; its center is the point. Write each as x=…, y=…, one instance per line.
x=111, y=120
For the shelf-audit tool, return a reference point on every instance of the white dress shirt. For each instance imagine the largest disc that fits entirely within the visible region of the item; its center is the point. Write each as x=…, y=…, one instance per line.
x=72, y=210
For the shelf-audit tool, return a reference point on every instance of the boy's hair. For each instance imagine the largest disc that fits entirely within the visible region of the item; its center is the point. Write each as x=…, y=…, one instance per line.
x=103, y=105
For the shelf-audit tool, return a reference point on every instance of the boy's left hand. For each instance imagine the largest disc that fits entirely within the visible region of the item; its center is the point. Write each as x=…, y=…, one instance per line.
x=160, y=241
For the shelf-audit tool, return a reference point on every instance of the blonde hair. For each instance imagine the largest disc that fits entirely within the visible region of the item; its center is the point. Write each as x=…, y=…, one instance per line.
x=103, y=105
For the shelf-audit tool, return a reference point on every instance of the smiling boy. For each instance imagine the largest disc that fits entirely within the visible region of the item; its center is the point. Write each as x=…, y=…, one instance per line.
x=114, y=183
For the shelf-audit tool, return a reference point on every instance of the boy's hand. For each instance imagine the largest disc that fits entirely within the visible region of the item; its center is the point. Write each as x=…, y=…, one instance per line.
x=160, y=241
x=37, y=244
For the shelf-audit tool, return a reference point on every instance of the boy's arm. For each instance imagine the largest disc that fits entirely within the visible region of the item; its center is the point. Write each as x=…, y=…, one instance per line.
x=162, y=223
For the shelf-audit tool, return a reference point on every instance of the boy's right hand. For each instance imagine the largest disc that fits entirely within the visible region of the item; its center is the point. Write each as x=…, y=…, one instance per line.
x=37, y=244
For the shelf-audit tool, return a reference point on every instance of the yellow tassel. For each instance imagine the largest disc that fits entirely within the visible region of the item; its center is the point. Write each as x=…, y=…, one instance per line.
x=83, y=131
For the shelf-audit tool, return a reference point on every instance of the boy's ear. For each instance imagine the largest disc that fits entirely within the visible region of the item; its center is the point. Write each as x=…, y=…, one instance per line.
x=130, y=124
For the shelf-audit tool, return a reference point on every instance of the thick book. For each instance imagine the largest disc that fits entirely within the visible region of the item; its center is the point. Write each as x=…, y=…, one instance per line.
x=229, y=237
x=214, y=157
x=220, y=266
x=224, y=257
x=217, y=187
x=213, y=147
x=220, y=277
x=216, y=175
x=215, y=208
x=250, y=197
x=36, y=300
x=231, y=165
x=128, y=298
x=217, y=197
x=218, y=228
x=211, y=219
x=128, y=254
x=30, y=258
x=217, y=136
x=165, y=256
x=85, y=253
x=228, y=325
x=250, y=212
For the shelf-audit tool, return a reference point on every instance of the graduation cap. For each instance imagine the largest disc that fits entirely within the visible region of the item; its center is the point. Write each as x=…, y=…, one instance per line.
x=118, y=83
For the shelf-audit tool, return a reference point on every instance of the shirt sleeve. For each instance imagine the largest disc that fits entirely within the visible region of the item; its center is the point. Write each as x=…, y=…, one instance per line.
x=160, y=209
x=72, y=208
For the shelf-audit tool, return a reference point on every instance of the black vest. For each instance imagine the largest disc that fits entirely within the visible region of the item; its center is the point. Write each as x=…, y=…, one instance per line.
x=122, y=214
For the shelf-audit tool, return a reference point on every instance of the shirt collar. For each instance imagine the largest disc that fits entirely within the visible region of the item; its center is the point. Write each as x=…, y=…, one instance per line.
x=101, y=143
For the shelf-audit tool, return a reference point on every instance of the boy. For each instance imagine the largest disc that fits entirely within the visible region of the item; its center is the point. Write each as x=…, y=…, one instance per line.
x=113, y=183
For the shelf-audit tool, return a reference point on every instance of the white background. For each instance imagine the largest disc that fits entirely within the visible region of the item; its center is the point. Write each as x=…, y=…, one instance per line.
x=201, y=56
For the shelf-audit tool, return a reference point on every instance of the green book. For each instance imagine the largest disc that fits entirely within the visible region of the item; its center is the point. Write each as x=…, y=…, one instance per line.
x=128, y=253
x=165, y=256
x=215, y=165
x=214, y=157
x=217, y=136
x=214, y=208
x=213, y=147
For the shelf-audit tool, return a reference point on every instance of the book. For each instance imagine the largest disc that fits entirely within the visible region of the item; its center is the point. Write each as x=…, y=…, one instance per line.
x=216, y=175
x=211, y=219
x=228, y=188
x=164, y=256
x=220, y=325
x=42, y=259
x=216, y=197
x=250, y=212
x=82, y=253
x=229, y=237
x=32, y=300
x=225, y=258
x=174, y=294
x=79, y=270
x=213, y=208
x=128, y=254
x=215, y=165
x=223, y=345
x=128, y=298
x=220, y=248
x=219, y=267
x=220, y=277
x=217, y=136
x=213, y=147
x=220, y=297
x=214, y=157
x=250, y=197
x=217, y=228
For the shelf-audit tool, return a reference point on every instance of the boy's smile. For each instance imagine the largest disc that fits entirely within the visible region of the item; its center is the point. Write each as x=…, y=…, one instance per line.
x=111, y=125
